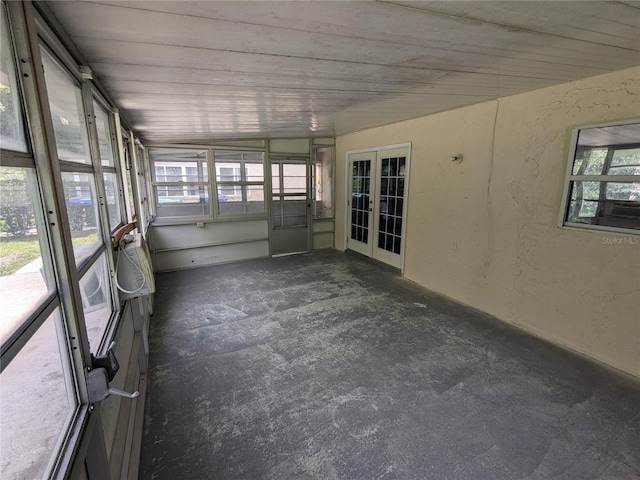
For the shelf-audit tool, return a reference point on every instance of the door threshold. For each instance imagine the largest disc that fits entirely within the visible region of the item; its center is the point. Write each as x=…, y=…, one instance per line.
x=286, y=254
x=373, y=261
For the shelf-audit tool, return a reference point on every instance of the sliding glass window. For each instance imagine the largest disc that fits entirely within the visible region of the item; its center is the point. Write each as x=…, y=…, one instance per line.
x=240, y=183
x=109, y=171
x=82, y=180
x=180, y=182
x=72, y=144
x=38, y=395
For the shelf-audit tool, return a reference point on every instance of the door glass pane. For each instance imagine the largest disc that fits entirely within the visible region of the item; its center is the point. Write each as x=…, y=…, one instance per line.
x=96, y=301
x=113, y=199
x=35, y=402
x=67, y=112
x=289, y=210
x=23, y=283
x=12, y=135
x=82, y=208
x=361, y=182
x=104, y=135
x=391, y=202
x=294, y=178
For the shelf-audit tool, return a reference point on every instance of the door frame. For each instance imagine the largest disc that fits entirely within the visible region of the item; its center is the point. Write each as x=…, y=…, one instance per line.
x=347, y=192
x=291, y=158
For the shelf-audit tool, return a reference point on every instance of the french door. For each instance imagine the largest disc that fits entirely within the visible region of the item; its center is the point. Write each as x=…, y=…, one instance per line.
x=377, y=204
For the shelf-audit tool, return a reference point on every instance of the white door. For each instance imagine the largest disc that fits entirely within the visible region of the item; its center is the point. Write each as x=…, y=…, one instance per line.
x=377, y=204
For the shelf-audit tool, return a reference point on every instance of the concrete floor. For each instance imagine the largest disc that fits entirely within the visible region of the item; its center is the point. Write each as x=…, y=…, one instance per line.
x=322, y=366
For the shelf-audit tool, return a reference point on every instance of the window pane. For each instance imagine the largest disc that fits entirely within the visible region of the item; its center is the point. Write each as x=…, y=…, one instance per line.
x=254, y=172
x=250, y=199
x=113, y=199
x=96, y=301
x=182, y=200
x=104, y=135
x=614, y=204
x=228, y=172
x=625, y=162
x=222, y=156
x=589, y=161
x=35, y=404
x=275, y=177
x=12, y=135
x=67, y=112
x=323, y=183
x=178, y=164
x=82, y=208
x=22, y=276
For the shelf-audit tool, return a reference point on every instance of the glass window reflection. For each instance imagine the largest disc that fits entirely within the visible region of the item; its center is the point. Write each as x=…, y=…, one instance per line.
x=23, y=282
x=12, y=135
x=36, y=403
x=82, y=208
x=67, y=112
x=96, y=301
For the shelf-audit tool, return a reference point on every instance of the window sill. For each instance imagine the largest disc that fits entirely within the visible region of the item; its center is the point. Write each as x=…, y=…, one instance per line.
x=168, y=221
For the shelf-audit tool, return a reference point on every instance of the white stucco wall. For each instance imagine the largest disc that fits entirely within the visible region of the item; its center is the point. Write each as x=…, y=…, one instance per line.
x=485, y=231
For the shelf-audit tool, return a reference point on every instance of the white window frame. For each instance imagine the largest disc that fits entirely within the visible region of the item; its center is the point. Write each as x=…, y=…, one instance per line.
x=114, y=169
x=570, y=178
x=240, y=186
x=178, y=219
x=211, y=183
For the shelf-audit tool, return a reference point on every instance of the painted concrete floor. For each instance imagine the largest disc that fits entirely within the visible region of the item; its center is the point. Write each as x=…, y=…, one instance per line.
x=322, y=366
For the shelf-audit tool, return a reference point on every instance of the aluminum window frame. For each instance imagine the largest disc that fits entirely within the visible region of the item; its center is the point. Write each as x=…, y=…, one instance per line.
x=22, y=20
x=91, y=93
x=314, y=163
x=114, y=169
x=212, y=184
x=243, y=184
x=570, y=178
x=205, y=182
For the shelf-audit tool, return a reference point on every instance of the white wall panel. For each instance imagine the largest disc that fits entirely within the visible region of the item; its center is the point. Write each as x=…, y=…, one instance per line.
x=173, y=237
x=299, y=145
x=202, y=256
x=323, y=240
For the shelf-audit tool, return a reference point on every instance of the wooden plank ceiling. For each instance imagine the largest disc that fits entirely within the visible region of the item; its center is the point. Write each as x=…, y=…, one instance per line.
x=198, y=71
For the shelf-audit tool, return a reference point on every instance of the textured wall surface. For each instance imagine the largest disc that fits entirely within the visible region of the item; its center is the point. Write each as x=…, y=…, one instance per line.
x=485, y=231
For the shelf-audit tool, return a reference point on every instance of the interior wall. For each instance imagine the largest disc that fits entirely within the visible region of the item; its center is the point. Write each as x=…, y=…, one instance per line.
x=485, y=231
x=187, y=245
